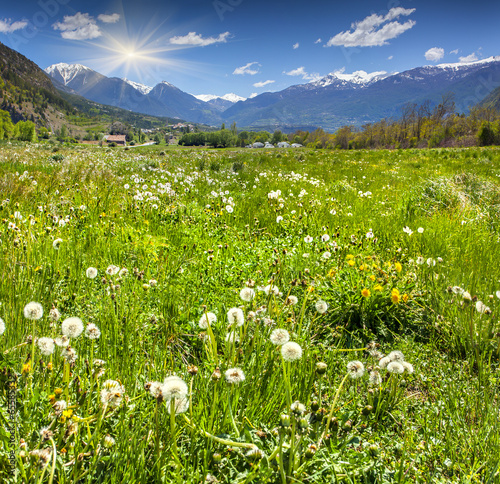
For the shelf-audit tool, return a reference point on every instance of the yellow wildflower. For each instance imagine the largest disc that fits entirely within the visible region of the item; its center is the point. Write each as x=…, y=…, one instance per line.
x=395, y=297
x=26, y=368
x=372, y=278
x=351, y=262
x=366, y=293
x=378, y=287
x=405, y=298
x=398, y=267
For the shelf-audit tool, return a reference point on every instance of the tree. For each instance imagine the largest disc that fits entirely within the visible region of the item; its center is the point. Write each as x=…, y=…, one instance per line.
x=277, y=137
x=25, y=131
x=486, y=135
x=6, y=126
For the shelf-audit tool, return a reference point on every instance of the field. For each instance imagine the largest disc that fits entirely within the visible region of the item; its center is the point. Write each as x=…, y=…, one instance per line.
x=280, y=316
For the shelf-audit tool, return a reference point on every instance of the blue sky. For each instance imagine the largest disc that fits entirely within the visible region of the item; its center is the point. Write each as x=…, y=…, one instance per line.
x=248, y=46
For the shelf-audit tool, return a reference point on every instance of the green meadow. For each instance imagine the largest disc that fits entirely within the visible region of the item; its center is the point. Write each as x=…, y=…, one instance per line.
x=237, y=316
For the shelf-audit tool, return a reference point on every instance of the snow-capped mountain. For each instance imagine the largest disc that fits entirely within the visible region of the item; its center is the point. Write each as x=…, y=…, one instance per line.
x=356, y=79
x=164, y=99
x=221, y=103
x=65, y=73
x=341, y=99
x=142, y=88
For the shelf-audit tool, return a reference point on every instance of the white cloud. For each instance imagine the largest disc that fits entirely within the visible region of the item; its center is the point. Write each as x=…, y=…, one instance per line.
x=263, y=83
x=300, y=71
x=296, y=45
x=390, y=57
x=374, y=30
x=192, y=38
x=318, y=41
x=434, y=54
x=109, y=19
x=454, y=51
x=469, y=58
x=7, y=26
x=247, y=69
x=80, y=26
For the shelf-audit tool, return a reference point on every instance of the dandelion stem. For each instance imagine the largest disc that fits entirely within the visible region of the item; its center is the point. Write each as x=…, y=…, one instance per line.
x=330, y=415
x=227, y=442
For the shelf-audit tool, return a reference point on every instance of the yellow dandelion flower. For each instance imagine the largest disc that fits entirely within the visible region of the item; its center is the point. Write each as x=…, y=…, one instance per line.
x=378, y=287
x=395, y=297
x=351, y=262
x=361, y=267
x=331, y=273
x=372, y=278
x=26, y=368
x=50, y=366
x=67, y=413
x=58, y=391
x=398, y=267
x=310, y=289
x=405, y=298
x=350, y=257
x=366, y=293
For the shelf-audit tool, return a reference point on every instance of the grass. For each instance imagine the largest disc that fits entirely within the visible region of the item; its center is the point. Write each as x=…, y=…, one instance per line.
x=187, y=230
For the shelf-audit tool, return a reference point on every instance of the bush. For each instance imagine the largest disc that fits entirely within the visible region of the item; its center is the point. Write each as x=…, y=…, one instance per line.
x=486, y=135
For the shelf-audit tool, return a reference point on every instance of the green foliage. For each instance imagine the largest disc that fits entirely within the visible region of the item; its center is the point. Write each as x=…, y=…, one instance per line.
x=486, y=135
x=336, y=248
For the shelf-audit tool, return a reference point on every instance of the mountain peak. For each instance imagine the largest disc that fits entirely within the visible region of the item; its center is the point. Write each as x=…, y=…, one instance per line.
x=231, y=97
x=142, y=88
x=66, y=71
x=357, y=78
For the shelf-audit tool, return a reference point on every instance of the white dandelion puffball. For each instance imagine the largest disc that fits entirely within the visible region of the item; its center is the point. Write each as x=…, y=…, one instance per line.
x=234, y=375
x=291, y=351
x=229, y=209
x=325, y=238
x=62, y=341
x=375, y=378
x=57, y=243
x=46, y=346
x=206, y=319
x=321, y=306
x=395, y=367
x=396, y=355
x=72, y=327
x=112, y=270
x=236, y=316
x=112, y=393
x=247, y=294
x=279, y=219
x=155, y=389
x=2, y=326
x=33, y=311
x=54, y=314
x=326, y=255
x=308, y=239
x=279, y=337
x=92, y=331
x=180, y=405
x=420, y=230
x=91, y=273
x=174, y=387
x=384, y=362
x=356, y=369
x=232, y=337
x=407, y=366
x=482, y=308
x=271, y=289
x=291, y=300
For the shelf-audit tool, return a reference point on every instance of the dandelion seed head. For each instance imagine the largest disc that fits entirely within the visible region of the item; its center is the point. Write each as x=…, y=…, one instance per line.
x=236, y=316
x=356, y=369
x=375, y=378
x=321, y=306
x=247, y=294
x=407, y=366
x=112, y=270
x=91, y=272
x=279, y=337
x=54, y=314
x=396, y=355
x=155, y=389
x=308, y=239
x=291, y=351
x=72, y=327
x=232, y=337
x=271, y=289
x=46, y=345
x=395, y=367
x=69, y=354
x=291, y=300
x=33, y=311
x=2, y=326
x=92, y=331
x=108, y=441
x=206, y=319
x=234, y=375
x=174, y=387
x=112, y=393
x=57, y=243
x=384, y=362
x=62, y=341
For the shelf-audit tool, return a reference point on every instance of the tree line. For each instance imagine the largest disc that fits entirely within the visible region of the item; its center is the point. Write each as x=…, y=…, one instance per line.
x=418, y=126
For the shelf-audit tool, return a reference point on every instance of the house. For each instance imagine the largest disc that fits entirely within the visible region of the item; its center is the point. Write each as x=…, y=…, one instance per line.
x=119, y=139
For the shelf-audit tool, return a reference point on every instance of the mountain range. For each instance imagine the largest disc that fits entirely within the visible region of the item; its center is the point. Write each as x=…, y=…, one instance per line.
x=330, y=102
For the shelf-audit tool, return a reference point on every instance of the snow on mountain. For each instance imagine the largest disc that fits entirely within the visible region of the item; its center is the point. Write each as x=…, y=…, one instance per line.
x=231, y=97
x=459, y=65
x=360, y=78
x=66, y=71
x=142, y=88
